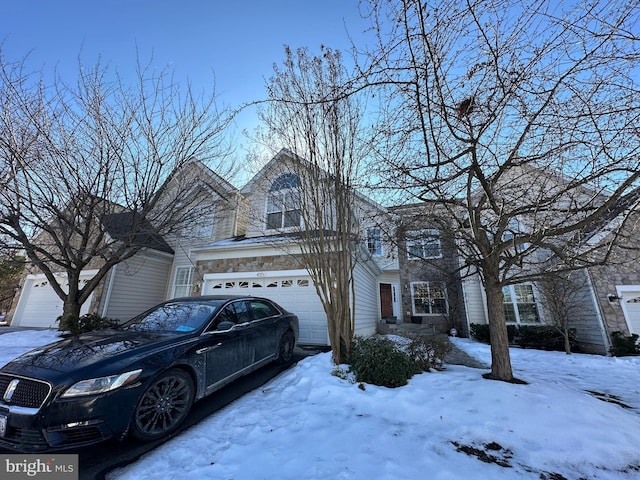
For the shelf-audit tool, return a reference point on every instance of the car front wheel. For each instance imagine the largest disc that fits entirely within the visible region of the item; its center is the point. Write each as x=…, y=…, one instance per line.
x=285, y=349
x=163, y=406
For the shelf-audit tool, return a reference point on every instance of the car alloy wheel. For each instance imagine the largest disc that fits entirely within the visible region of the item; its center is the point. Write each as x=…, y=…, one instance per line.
x=163, y=406
x=285, y=349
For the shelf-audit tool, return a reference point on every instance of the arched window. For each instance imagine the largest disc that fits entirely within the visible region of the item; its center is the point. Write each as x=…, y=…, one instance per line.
x=283, y=203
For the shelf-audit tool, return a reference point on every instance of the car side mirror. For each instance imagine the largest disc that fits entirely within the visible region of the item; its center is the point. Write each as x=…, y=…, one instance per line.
x=225, y=325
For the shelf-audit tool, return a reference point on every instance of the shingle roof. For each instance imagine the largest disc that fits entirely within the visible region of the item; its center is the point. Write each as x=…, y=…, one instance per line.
x=120, y=227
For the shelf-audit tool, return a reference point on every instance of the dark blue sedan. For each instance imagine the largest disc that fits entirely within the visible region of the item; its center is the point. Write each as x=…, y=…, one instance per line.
x=141, y=377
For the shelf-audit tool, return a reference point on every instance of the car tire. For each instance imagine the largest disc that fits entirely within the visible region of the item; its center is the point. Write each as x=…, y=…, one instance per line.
x=163, y=406
x=285, y=347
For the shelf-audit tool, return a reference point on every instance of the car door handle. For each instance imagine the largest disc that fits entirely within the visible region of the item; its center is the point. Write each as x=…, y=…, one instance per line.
x=200, y=351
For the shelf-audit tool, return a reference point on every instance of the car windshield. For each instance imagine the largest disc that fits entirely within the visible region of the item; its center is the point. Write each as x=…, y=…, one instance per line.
x=179, y=317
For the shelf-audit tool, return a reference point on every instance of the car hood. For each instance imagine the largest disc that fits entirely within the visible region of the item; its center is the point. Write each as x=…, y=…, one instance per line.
x=91, y=350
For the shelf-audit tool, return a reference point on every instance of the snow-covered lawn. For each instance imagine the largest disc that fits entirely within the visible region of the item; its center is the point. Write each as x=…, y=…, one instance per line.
x=577, y=418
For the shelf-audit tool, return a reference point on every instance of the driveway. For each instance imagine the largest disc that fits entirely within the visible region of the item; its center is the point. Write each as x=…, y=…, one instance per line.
x=97, y=460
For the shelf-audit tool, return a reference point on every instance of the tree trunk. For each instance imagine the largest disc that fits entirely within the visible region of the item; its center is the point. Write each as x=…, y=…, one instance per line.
x=70, y=314
x=500, y=358
x=567, y=343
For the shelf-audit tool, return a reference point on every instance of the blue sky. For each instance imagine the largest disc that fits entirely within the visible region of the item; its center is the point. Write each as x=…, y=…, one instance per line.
x=235, y=41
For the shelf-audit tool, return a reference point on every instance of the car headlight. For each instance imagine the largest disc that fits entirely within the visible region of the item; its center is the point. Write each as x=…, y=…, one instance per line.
x=93, y=386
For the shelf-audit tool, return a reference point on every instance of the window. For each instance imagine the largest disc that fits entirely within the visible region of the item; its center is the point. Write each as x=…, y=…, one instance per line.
x=424, y=244
x=429, y=298
x=262, y=310
x=283, y=203
x=520, y=304
x=183, y=282
x=374, y=241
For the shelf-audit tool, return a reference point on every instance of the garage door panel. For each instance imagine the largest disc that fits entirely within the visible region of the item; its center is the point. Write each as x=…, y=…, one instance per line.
x=631, y=307
x=294, y=293
x=41, y=306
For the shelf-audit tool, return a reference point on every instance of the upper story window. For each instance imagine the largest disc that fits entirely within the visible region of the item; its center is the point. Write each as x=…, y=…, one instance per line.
x=283, y=203
x=424, y=244
x=374, y=241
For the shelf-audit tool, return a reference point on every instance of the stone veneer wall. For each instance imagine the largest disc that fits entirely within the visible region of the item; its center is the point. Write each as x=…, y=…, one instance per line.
x=605, y=280
x=247, y=264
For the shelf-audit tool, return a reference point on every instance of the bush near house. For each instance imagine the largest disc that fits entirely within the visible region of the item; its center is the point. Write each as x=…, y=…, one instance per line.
x=540, y=337
x=87, y=323
x=381, y=361
x=544, y=338
x=480, y=332
x=622, y=345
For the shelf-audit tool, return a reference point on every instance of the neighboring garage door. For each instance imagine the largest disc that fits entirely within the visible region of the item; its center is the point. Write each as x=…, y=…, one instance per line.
x=630, y=302
x=294, y=291
x=39, y=305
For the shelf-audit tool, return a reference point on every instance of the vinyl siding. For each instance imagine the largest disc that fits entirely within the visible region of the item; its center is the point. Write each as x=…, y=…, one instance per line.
x=366, y=302
x=139, y=283
x=474, y=300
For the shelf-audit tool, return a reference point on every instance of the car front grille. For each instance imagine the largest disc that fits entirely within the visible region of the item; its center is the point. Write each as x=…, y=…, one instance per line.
x=81, y=435
x=24, y=438
x=28, y=392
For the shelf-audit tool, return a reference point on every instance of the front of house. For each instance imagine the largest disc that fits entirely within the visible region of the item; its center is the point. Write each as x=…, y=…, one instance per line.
x=244, y=243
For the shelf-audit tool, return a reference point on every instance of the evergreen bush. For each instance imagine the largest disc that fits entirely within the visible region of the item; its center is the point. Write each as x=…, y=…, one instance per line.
x=379, y=361
x=87, y=323
x=480, y=332
x=622, y=345
x=544, y=337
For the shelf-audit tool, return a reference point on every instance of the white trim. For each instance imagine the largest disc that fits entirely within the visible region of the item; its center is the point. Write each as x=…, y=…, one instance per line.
x=107, y=297
x=265, y=274
x=620, y=289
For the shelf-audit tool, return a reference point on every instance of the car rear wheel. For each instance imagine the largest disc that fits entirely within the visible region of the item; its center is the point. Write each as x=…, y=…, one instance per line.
x=285, y=349
x=163, y=406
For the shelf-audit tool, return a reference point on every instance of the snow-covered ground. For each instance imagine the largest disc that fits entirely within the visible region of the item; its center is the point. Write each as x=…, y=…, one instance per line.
x=577, y=418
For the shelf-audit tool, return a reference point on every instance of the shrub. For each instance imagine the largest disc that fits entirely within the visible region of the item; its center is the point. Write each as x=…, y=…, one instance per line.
x=622, y=345
x=544, y=337
x=379, y=361
x=429, y=352
x=480, y=332
x=87, y=323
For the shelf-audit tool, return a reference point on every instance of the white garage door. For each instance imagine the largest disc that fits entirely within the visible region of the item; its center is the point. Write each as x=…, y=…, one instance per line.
x=39, y=306
x=630, y=302
x=294, y=291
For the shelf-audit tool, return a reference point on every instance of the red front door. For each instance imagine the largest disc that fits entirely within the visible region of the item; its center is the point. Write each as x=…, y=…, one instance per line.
x=386, y=300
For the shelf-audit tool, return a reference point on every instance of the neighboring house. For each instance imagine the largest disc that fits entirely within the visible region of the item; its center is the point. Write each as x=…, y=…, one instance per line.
x=605, y=299
x=119, y=294
x=163, y=269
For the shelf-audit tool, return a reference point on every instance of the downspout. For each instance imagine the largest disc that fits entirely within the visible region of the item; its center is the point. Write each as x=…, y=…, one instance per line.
x=107, y=297
x=599, y=314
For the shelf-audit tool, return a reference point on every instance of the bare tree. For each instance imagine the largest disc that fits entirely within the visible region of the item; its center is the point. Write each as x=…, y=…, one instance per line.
x=564, y=299
x=308, y=114
x=91, y=170
x=519, y=118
